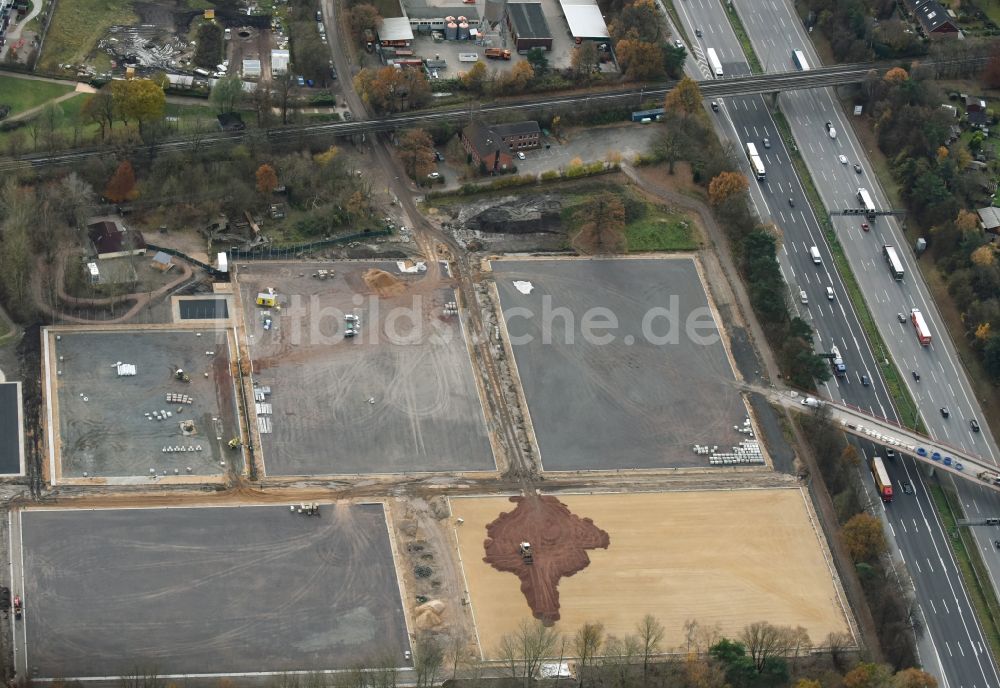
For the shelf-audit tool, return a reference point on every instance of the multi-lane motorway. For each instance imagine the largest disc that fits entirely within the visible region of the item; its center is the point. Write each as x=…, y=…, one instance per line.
x=953, y=647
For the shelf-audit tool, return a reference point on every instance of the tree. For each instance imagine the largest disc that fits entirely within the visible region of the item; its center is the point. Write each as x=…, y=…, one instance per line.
x=642, y=61
x=764, y=642
x=138, y=99
x=674, y=57
x=732, y=655
x=520, y=76
x=416, y=151
x=267, y=179
x=391, y=90
x=522, y=651
x=51, y=119
x=673, y=142
x=725, y=186
x=428, y=658
x=684, y=98
x=121, y=186
x=864, y=538
x=538, y=60
x=227, y=94
x=650, y=633
x=475, y=78
x=619, y=658
x=602, y=227
x=913, y=678
x=991, y=72
x=896, y=75
x=585, y=59
x=99, y=108
x=639, y=19
x=587, y=645
x=808, y=683
x=362, y=18
x=208, y=51
x=868, y=675
x=984, y=256
x=966, y=222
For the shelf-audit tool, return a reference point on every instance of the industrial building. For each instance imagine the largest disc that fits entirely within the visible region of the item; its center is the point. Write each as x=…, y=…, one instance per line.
x=494, y=146
x=527, y=26
x=396, y=32
x=585, y=21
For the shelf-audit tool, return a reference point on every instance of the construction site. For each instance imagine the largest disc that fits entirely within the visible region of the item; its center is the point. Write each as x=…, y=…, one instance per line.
x=320, y=463
x=147, y=403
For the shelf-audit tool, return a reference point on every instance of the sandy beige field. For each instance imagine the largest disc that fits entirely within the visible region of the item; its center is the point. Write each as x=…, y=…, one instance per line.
x=725, y=558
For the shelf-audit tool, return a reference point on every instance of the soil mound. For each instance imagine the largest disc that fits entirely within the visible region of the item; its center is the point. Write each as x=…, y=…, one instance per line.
x=382, y=283
x=559, y=542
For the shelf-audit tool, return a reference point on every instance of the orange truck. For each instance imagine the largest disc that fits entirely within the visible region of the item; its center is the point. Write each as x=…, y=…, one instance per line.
x=497, y=54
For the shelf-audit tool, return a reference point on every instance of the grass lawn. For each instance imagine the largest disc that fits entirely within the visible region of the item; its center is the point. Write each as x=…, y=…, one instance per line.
x=78, y=25
x=661, y=230
x=991, y=8
x=24, y=94
x=189, y=118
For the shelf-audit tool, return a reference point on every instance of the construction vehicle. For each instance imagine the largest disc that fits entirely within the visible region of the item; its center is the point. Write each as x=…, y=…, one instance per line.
x=181, y=376
x=527, y=556
x=989, y=477
x=234, y=443
x=497, y=54
x=311, y=509
x=267, y=298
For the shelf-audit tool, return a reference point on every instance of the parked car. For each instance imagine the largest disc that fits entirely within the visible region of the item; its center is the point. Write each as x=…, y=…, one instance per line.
x=678, y=43
x=438, y=156
x=300, y=80
x=434, y=175
x=520, y=155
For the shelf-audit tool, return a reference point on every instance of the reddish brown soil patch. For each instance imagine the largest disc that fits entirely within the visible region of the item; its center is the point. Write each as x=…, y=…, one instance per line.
x=559, y=542
x=383, y=283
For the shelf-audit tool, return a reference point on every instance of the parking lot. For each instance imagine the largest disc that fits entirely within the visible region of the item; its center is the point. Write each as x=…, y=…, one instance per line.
x=218, y=590
x=111, y=424
x=398, y=397
x=639, y=394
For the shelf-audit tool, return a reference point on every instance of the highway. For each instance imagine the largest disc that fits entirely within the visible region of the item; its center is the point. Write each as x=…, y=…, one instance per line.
x=951, y=633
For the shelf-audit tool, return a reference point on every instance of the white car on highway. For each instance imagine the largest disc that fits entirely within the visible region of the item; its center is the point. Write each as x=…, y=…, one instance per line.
x=842, y=159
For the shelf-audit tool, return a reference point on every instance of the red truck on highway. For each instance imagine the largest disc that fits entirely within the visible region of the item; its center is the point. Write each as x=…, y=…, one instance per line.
x=882, y=482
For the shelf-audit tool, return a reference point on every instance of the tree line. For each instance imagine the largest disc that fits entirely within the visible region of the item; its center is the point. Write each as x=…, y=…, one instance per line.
x=688, y=136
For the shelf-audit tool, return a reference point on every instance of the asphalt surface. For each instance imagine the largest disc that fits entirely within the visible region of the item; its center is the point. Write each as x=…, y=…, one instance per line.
x=781, y=198
x=399, y=397
x=102, y=422
x=224, y=590
x=636, y=400
x=11, y=433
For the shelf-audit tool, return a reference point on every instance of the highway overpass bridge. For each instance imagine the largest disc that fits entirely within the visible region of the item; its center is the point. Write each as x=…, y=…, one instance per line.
x=935, y=454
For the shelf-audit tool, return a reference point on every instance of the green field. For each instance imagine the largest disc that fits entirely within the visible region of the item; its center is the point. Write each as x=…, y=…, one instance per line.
x=78, y=25
x=24, y=94
x=189, y=118
x=660, y=230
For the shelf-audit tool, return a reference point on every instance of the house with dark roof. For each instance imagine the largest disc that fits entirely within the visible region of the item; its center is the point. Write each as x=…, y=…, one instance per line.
x=975, y=111
x=934, y=19
x=111, y=239
x=989, y=219
x=494, y=146
x=527, y=26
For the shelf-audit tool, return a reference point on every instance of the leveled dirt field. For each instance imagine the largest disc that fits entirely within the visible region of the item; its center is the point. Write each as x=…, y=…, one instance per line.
x=726, y=558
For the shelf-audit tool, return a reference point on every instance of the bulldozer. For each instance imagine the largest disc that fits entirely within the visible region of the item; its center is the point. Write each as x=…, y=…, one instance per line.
x=527, y=556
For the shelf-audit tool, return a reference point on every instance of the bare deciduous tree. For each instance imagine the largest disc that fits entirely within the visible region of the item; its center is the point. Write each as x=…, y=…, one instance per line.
x=620, y=655
x=522, y=651
x=650, y=632
x=764, y=642
x=587, y=645
x=428, y=656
